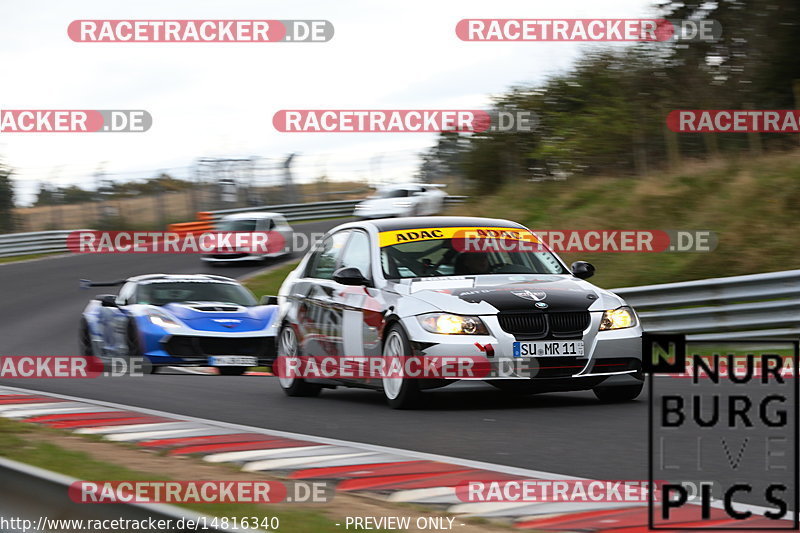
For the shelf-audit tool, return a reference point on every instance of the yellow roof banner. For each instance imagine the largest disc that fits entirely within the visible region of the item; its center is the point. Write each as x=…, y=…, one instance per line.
x=390, y=238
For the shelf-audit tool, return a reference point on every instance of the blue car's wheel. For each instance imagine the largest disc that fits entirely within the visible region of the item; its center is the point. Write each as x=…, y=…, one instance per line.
x=85, y=338
x=135, y=348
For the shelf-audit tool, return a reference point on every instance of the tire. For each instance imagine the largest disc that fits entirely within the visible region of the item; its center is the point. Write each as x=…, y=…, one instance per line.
x=400, y=393
x=622, y=393
x=287, y=347
x=232, y=370
x=85, y=339
x=135, y=349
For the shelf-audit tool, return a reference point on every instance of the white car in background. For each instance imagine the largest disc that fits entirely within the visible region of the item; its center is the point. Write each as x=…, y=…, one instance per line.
x=406, y=200
x=252, y=222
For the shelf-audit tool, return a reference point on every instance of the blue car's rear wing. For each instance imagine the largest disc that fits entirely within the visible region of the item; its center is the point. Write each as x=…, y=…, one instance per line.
x=86, y=283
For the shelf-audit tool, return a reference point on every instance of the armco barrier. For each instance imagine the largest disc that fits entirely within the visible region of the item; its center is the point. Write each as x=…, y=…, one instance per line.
x=39, y=242
x=737, y=307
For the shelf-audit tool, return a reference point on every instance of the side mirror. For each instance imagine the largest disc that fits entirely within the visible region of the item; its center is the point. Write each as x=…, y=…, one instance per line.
x=582, y=269
x=268, y=299
x=107, y=300
x=350, y=276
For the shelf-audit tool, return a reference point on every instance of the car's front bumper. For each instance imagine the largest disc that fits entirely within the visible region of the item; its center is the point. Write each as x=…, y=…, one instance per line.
x=611, y=357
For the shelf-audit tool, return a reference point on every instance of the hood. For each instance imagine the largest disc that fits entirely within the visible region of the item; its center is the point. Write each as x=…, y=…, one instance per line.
x=495, y=293
x=222, y=317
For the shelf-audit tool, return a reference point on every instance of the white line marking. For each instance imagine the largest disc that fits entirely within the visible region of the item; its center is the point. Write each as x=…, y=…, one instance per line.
x=248, y=455
x=423, y=495
x=128, y=428
x=276, y=464
x=146, y=435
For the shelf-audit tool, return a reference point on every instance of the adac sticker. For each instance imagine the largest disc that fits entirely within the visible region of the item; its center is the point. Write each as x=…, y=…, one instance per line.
x=389, y=238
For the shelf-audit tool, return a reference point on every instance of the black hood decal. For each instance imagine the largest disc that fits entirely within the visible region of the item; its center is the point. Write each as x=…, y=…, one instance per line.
x=526, y=297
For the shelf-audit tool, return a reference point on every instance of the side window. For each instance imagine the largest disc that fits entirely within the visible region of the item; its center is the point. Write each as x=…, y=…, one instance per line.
x=324, y=260
x=357, y=253
x=125, y=295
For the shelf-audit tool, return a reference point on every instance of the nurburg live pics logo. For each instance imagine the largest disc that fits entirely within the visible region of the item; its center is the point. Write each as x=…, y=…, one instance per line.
x=731, y=431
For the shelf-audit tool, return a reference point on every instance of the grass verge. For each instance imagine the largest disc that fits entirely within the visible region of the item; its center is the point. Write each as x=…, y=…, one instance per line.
x=17, y=258
x=269, y=282
x=751, y=203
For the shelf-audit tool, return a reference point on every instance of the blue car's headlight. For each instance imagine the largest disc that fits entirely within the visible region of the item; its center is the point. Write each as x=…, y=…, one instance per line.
x=162, y=320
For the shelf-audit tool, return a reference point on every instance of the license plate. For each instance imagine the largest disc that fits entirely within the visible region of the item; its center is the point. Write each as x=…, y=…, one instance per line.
x=548, y=349
x=232, y=360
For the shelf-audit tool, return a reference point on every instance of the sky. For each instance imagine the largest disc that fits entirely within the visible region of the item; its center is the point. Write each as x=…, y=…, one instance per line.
x=218, y=99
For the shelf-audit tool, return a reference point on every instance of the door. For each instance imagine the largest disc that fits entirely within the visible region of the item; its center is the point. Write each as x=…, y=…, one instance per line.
x=361, y=307
x=319, y=317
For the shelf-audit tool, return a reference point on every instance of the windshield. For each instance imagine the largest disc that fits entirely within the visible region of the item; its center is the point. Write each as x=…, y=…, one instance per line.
x=162, y=293
x=244, y=224
x=392, y=193
x=441, y=257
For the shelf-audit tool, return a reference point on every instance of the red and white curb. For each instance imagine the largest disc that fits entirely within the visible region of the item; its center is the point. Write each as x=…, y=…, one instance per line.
x=396, y=475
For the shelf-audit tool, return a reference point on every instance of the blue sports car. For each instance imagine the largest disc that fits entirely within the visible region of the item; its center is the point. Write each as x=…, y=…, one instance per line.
x=181, y=320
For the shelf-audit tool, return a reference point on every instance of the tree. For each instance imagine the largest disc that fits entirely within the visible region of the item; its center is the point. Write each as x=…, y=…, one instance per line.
x=7, y=219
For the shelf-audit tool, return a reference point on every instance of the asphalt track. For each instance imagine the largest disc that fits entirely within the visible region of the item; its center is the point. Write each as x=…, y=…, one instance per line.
x=566, y=433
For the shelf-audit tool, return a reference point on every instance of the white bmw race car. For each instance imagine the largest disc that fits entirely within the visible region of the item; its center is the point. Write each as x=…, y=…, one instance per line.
x=407, y=200
x=430, y=288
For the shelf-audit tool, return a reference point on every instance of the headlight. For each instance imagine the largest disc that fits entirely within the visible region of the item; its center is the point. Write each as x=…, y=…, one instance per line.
x=448, y=324
x=619, y=318
x=163, y=321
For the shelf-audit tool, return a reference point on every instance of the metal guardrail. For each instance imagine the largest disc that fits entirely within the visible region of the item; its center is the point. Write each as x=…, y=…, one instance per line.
x=738, y=307
x=39, y=242
x=42, y=497
x=317, y=210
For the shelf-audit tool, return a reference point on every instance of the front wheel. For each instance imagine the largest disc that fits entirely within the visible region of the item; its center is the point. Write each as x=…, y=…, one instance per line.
x=400, y=392
x=622, y=393
x=287, y=349
x=85, y=339
x=135, y=347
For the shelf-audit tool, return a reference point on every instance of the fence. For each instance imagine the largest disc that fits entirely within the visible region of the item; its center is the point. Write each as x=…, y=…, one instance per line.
x=737, y=307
